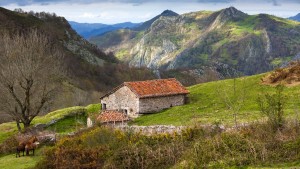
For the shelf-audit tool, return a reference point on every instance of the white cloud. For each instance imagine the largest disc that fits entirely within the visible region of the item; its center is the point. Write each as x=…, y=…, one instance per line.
x=88, y=15
x=116, y=12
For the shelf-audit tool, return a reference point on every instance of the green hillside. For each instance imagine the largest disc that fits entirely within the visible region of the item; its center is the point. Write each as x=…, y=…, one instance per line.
x=68, y=120
x=88, y=67
x=224, y=41
x=89, y=72
x=10, y=161
x=255, y=146
x=207, y=104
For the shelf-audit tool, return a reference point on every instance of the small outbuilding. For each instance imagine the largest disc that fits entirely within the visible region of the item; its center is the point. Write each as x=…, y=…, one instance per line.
x=141, y=97
x=111, y=117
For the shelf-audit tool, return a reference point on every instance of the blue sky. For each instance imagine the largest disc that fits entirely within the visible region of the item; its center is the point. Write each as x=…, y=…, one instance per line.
x=116, y=11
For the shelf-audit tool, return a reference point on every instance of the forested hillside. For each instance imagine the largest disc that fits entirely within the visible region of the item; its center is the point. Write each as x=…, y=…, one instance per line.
x=90, y=72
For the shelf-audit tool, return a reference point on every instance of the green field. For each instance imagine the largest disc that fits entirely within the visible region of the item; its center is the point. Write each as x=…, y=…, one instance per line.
x=207, y=104
x=10, y=161
x=68, y=120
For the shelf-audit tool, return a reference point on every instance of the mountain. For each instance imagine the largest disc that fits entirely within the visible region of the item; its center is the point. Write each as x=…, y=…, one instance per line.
x=57, y=28
x=89, y=70
x=87, y=30
x=295, y=18
x=222, y=43
x=147, y=24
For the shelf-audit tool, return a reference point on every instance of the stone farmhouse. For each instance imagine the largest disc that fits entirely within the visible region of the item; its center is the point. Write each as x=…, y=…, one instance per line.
x=141, y=97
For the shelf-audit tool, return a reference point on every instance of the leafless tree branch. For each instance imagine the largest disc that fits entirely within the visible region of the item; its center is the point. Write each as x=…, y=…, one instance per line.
x=30, y=73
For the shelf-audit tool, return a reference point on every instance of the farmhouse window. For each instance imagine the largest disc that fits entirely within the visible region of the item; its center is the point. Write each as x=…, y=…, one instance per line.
x=103, y=106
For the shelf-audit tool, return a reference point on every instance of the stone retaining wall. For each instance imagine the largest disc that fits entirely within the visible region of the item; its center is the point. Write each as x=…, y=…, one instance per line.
x=149, y=130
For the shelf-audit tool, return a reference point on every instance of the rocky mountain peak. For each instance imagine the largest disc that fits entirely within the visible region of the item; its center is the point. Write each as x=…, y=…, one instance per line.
x=169, y=13
x=232, y=12
x=148, y=23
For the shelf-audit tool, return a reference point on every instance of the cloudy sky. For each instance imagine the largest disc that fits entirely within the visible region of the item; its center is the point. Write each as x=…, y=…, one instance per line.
x=116, y=11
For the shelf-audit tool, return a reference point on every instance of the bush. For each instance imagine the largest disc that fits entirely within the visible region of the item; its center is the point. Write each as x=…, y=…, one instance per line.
x=272, y=105
x=101, y=147
x=9, y=145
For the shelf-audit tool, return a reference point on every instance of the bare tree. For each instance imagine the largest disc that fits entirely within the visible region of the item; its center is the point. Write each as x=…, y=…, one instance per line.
x=234, y=97
x=30, y=72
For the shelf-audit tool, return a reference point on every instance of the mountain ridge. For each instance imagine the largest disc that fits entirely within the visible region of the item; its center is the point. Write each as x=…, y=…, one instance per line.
x=87, y=30
x=147, y=24
x=225, y=40
x=295, y=18
x=88, y=68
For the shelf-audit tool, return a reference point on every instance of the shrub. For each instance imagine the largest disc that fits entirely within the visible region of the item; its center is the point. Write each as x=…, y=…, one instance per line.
x=9, y=145
x=102, y=147
x=272, y=105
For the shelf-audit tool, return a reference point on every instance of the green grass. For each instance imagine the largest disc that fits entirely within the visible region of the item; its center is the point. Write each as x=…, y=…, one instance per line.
x=10, y=161
x=287, y=22
x=279, y=61
x=7, y=130
x=121, y=54
x=69, y=119
x=69, y=124
x=245, y=26
x=93, y=108
x=66, y=112
x=292, y=165
x=220, y=43
x=58, y=114
x=207, y=104
x=191, y=26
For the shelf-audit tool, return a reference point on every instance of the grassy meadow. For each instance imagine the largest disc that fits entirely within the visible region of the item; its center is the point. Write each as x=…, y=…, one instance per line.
x=255, y=147
x=68, y=120
x=10, y=161
x=208, y=103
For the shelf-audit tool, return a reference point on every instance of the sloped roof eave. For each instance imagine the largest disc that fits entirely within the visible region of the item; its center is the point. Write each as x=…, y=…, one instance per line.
x=163, y=95
x=157, y=88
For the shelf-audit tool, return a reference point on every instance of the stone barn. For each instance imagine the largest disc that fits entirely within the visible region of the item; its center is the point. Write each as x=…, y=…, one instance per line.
x=141, y=97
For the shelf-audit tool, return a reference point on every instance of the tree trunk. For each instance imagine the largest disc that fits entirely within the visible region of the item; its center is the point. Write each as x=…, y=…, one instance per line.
x=18, y=125
x=26, y=124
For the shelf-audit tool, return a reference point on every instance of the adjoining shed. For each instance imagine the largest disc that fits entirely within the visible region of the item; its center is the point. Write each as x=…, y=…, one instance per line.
x=114, y=118
x=140, y=97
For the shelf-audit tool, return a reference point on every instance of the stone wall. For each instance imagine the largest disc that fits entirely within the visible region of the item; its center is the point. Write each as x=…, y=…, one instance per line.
x=122, y=99
x=149, y=130
x=150, y=105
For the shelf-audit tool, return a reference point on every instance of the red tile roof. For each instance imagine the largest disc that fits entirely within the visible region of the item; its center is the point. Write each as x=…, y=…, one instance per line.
x=153, y=88
x=160, y=87
x=112, y=116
